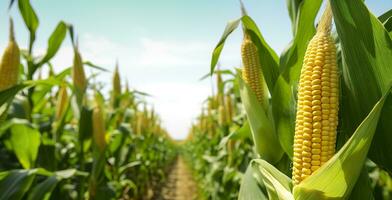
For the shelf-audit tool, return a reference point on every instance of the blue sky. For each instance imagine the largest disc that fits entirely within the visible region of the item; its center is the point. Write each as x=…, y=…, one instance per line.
x=163, y=47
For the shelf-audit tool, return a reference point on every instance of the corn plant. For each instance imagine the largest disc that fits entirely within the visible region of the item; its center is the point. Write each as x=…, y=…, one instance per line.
x=302, y=123
x=61, y=138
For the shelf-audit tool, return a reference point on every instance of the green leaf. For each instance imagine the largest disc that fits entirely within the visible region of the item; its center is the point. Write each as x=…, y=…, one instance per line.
x=85, y=124
x=264, y=135
x=25, y=142
x=29, y=16
x=267, y=56
x=284, y=93
x=90, y=64
x=14, y=184
x=239, y=134
x=293, y=8
x=384, y=17
x=8, y=94
x=251, y=187
x=278, y=185
x=66, y=174
x=388, y=25
x=55, y=41
x=367, y=52
x=363, y=188
x=44, y=189
x=230, y=27
x=337, y=177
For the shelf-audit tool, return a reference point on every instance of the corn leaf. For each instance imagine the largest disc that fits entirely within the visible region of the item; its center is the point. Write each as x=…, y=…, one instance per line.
x=230, y=27
x=251, y=187
x=55, y=41
x=8, y=94
x=336, y=178
x=263, y=132
x=384, y=17
x=25, y=142
x=92, y=65
x=44, y=189
x=293, y=8
x=241, y=133
x=85, y=124
x=367, y=73
x=363, y=188
x=14, y=184
x=30, y=18
x=278, y=185
x=284, y=93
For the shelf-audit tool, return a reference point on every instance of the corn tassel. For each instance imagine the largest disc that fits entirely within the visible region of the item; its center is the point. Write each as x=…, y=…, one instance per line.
x=317, y=108
x=9, y=64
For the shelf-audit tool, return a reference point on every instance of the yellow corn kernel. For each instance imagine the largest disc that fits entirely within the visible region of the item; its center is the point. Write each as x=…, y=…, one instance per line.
x=62, y=102
x=251, y=72
x=9, y=64
x=317, y=108
x=99, y=130
x=78, y=75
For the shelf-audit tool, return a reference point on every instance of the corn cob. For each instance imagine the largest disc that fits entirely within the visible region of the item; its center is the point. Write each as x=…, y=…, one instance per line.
x=78, y=75
x=62, y=101
x=229, y=109
x=222, y=115
x=317, y=108
x=219, y=82
x=99, y=130
x=251, y=71
x=9, y=64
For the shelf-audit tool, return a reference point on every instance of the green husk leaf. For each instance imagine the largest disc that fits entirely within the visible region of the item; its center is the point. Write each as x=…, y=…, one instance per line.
x=263, y=131
x=278, y=185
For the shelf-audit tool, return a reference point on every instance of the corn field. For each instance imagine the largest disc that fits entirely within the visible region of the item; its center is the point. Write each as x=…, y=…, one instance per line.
x=311, y=123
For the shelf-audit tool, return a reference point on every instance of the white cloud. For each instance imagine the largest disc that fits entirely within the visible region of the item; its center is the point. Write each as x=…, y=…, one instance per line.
x=153, y=66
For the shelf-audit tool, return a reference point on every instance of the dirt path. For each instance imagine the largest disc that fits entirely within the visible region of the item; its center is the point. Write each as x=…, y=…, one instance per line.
x=180, y=184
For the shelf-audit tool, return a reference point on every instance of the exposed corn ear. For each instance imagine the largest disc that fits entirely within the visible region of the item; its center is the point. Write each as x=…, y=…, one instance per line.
x=251, y=71
x=219, y=82
x=62, y=102
x=78, y=75
x=317, y=109
x=222, y=115
x=9, y=64
x=99, y=130
x=229, y=109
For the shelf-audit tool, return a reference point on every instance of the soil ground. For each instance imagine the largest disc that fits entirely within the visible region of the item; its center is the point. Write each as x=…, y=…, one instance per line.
x=180, y=184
